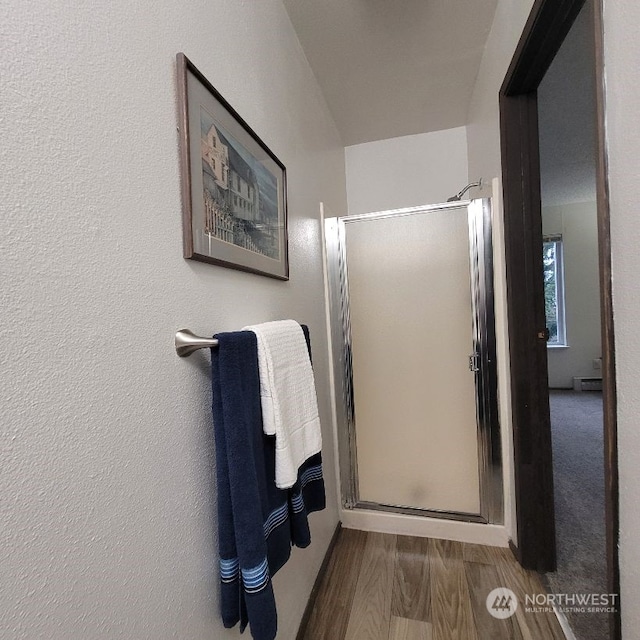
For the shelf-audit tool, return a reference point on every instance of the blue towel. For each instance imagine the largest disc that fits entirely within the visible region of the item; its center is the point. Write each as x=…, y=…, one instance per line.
x=257, y=522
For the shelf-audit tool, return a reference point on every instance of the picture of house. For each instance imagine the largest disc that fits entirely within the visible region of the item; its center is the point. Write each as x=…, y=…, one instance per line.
x=240, y=194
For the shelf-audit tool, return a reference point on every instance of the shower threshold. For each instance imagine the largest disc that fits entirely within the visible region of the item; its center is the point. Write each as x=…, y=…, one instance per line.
x=416, y=511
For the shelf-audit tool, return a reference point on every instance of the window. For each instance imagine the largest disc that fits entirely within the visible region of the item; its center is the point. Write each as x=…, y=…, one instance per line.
x=554, y=291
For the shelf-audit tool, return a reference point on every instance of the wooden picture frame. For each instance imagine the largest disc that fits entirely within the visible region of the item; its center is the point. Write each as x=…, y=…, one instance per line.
x=234, y=193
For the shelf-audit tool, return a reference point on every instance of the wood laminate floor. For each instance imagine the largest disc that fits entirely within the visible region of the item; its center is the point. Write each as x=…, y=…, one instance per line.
x=387, y=587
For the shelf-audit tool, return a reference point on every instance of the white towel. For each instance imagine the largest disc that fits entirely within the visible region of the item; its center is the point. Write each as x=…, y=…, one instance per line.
x=288, y=396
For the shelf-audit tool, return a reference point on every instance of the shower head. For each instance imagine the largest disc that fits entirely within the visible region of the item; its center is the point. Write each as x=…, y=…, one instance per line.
x=459, y=195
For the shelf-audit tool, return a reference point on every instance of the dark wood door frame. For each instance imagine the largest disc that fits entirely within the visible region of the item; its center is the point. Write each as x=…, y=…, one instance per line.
x=544, y=33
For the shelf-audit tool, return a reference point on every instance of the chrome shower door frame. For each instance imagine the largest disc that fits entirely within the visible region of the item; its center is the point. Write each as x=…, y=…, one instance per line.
x=483, y=344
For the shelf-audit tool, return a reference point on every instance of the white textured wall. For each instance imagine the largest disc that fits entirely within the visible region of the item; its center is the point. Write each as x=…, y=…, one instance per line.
x=107, y=493
x=622, y=52
x=577, y=223
x=483, y=121
x=404, y=172
x=483, y=148
x=503, y=361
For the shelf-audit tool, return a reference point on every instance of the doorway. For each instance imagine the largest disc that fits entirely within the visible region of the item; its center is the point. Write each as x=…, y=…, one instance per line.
x=546, y=30
x=567, y=126
x=412, y=309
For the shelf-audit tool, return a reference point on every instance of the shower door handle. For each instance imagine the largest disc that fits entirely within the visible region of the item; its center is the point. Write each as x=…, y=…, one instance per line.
x=474, y=362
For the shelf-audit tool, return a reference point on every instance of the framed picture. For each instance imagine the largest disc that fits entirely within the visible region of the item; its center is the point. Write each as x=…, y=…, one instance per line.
x=234, y=190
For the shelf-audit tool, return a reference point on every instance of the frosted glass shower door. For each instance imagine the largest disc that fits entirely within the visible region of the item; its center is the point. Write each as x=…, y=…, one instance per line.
x=410, y=307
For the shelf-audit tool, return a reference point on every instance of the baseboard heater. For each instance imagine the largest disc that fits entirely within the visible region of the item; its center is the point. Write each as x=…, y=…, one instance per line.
x=587, y=384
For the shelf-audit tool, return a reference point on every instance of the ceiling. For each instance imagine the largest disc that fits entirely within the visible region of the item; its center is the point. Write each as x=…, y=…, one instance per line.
x=391, y=68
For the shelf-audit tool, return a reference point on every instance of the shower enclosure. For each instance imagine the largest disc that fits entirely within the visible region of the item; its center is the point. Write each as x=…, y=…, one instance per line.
x=414, y=354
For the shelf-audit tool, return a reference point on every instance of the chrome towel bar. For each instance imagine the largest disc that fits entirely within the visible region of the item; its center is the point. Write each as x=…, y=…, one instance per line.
x=187, y=342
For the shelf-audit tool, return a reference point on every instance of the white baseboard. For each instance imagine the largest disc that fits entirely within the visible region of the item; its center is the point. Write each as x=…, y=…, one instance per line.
x=564, y=623
x=382, y=522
